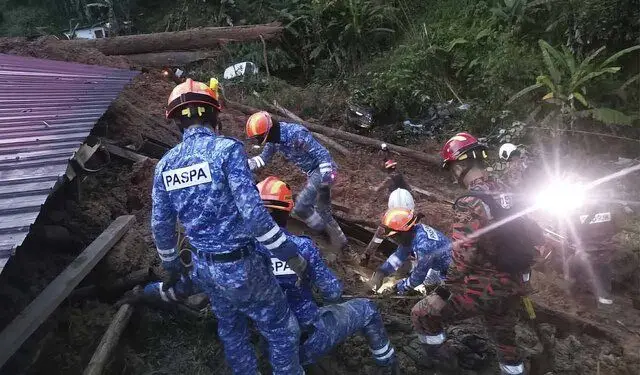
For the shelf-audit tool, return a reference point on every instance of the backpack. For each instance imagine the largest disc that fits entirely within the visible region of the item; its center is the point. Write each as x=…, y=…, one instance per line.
x=514, y=241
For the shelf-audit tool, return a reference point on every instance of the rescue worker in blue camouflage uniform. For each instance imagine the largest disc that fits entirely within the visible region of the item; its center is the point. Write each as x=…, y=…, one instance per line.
x=205, y=182
x=296, y=143
x=324, y=327
x=431, y=248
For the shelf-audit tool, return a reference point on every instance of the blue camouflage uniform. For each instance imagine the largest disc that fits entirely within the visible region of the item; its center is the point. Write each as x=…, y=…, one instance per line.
x=328, y=326
x=433, y=252
x=206, y=184
x=299, y=147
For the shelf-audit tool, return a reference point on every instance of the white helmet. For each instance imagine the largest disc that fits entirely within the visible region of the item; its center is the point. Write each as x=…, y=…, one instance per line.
x=401, y=198
x=506, y=150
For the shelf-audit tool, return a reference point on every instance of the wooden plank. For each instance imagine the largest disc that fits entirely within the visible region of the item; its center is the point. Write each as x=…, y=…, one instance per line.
x=40, y=308
x=124, y=153
x=109, y=341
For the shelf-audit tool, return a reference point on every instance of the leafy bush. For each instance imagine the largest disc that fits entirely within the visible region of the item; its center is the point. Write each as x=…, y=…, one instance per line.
x=23, y=21
x=459, y=54
x=568, y=78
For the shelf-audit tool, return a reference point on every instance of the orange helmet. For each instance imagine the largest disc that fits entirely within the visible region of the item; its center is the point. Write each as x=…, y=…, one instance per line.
x=399, y=220
x=275, y=194
x=258, y=125
x=192, y=92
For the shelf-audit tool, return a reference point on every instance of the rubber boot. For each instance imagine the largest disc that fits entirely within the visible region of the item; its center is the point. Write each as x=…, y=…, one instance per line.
x=391, y=369
x=336, y=236
x=441, y=356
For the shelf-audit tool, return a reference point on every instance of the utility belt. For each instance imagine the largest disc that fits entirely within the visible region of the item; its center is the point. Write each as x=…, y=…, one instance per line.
x=231, y=256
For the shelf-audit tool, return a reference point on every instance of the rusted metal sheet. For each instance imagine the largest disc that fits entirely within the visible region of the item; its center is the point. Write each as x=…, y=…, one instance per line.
x=47, y=109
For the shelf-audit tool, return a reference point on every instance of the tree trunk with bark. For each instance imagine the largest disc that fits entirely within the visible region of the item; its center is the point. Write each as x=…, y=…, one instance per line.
x=187, y=40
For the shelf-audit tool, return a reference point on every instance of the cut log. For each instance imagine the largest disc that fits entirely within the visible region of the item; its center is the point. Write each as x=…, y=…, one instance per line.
x=37, y=312
x=124, y=153
x=187, y=40
x=355, y=138
x=116, y=287
x=109, y=341
x=169, y=58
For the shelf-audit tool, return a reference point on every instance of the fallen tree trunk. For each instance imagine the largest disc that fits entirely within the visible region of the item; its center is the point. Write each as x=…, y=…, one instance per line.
x=323, y=138
x=169, y=58
x=109, y=341
x=187, y=40
x=335, y=133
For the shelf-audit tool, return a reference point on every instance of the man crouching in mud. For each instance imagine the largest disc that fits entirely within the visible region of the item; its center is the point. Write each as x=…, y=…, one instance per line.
x=476, y=284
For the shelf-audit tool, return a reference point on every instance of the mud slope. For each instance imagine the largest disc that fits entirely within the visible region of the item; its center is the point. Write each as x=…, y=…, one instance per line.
x=164, y=343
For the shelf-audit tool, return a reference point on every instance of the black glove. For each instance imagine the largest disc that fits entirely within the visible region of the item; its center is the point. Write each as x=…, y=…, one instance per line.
x=298, y=265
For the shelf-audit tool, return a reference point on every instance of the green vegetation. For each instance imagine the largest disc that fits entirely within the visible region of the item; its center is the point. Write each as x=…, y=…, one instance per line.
x=403, y=56
x=567, y=80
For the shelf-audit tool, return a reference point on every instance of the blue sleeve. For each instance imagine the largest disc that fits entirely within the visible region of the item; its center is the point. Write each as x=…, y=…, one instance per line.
x=265, y=156
x=419, y=272
x=311, y=146
x=436, y=255
x=163, y=219
x=248, y=202
x=321, y=276
x=396, y=260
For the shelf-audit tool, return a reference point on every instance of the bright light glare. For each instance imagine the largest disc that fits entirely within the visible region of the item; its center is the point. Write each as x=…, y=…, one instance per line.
x=561, y=197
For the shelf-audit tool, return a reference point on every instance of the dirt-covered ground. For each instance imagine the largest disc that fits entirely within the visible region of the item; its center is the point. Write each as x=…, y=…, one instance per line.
x=172, y=343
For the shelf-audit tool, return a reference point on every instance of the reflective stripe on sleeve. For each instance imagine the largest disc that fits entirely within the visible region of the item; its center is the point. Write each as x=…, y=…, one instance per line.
x=269, y=235
x=394, y=261
x=277, y=243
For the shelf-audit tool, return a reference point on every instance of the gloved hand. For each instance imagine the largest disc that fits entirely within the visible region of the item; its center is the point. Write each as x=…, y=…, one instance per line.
x=376, y=280
x=298, y=265
x=175, y=269
x=332, y=299
x=402, y=286
x=253, y=165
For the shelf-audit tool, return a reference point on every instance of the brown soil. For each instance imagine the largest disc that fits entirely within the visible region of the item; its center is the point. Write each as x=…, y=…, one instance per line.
x=164, y=343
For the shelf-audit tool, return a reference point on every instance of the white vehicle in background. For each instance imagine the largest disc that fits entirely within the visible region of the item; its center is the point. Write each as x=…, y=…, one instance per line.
x=240, y=70
x=97, y=32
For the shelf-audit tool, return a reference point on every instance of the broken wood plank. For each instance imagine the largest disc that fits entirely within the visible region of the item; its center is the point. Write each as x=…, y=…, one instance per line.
x=186, y=40
x=109, y=341
x=432, y=160
x=14, y=335
x=124, y=153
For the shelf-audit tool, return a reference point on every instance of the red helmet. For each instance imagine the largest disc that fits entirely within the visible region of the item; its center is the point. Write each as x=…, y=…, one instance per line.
x=459, y=146
x=390, y=164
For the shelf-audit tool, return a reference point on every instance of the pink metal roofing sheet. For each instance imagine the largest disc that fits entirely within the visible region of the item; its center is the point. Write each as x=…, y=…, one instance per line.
x=47, y=109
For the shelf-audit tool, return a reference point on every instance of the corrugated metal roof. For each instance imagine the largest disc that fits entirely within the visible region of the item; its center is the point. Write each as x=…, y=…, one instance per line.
x=47, y=109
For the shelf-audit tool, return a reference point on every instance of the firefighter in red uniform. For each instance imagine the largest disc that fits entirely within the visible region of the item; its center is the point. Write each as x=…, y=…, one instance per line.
x=475, y=285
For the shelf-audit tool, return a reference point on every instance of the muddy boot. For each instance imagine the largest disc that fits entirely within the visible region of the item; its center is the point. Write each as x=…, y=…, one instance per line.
x=392, y=369
x=441, y=356
x=336, y=236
